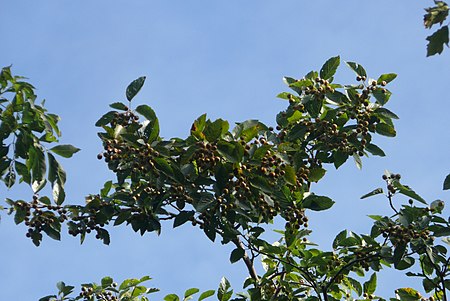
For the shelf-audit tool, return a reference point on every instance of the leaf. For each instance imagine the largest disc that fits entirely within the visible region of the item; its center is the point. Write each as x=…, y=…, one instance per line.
x=358, y=69
x=357, y=160
x=329, y=68
x=162, y=165
x=206, y=294
x=385, y=130
x=105, y=119
x=107, y=281
x=147, y=112
x=171, y=297
x=236, y=255
x=183, y=217
x=65, y=150
x=406, y=190
x=447, y=182
x=383, y=112
x=134, y=87
x=223, y=293
x=375, y=150
x=408, y=294
x=119, y=106
x=372, y=193
x=387, y=78
x=437, y=41
x=315, y=174
x=370, y=285
x=317, y=203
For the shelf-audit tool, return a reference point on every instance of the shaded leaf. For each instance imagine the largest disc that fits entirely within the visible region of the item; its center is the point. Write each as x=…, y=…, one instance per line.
x=447, y=182
x=236, y=255
x=134, y=87
x=317, y=203
x=437, y=40
x=373, y=192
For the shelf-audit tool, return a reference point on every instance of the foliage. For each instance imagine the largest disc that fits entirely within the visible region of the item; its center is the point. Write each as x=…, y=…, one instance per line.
x=437, y=14
x=231, y=182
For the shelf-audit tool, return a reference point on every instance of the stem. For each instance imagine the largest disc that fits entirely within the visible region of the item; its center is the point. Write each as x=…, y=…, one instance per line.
x=390, y=202
x=248, y=262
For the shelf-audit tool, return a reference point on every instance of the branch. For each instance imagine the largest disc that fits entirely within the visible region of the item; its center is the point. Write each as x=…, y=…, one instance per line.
x=248, y=262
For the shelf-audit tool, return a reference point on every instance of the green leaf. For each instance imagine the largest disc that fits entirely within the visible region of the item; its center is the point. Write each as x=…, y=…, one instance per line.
x=51, y=232
x=147, y=112
x=119, y=106
x=385, y=113
x=317, y=203
x=206, y=294
x=375, y=150
x=408, y=294
x=236, y=255
x=183, y=217
x=358, y=69
x=313, y=105
x=447, y=182
x=223, y=293
x=437, y=40
x=105, y=119
x=107, y=281
x=134, y=87
x=65, y=150
x=190, y=292
x=171, y=297
x=373, y=192
x=339, y=158
x=399, y=252
x=315, y=174
x=371, y=284
x=162, y=165
x=385, y=130
x=406, y=190
x=357, y=160
x=329, y=68
x=387, y=78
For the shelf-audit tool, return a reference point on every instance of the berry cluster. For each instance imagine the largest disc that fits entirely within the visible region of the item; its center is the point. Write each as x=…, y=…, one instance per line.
x=88, y=293
x=39, y=216
x=399, y=234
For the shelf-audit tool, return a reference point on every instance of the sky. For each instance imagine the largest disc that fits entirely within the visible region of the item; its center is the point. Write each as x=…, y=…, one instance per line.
x=226, y=59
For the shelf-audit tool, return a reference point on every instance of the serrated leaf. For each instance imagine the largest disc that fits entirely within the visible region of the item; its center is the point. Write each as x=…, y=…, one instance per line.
x=329, y=68
x=373, y=192
x=437, y=40
x=134, y=87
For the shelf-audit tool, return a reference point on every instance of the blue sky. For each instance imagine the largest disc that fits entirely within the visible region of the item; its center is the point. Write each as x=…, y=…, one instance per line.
x=226, y=59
